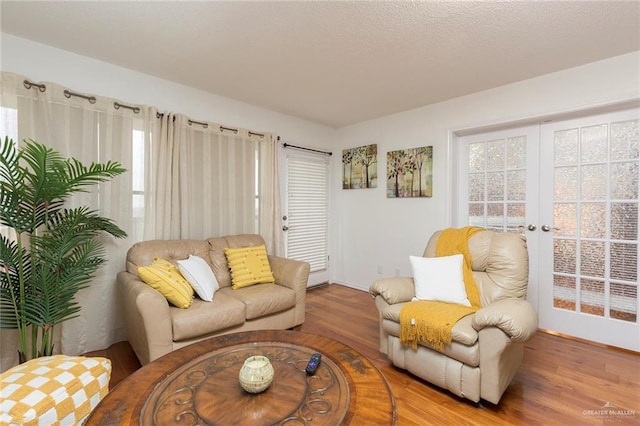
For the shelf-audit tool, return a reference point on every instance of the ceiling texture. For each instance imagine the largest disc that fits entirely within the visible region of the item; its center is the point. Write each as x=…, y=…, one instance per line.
x=334, y=63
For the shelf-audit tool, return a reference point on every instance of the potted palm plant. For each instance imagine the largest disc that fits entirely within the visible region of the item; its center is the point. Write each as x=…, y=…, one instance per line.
x=53, y=251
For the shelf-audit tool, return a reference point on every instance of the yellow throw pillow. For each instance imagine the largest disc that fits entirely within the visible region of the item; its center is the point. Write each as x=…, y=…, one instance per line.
x=167, y=279
x=248, y=265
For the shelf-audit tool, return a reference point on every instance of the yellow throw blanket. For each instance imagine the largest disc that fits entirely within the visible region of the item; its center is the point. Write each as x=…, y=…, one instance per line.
x=431, y=322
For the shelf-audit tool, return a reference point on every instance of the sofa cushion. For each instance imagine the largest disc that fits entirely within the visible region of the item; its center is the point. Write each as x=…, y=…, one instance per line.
x=167, y=279
x=261, y=300
x=142, y=253
x=203, y=318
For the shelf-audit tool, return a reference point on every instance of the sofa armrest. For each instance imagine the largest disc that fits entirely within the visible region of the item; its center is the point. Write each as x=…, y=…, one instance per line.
x=394, y=290
x=147, y=317
x=515, y=317
x=290, y=273
x=293, y=274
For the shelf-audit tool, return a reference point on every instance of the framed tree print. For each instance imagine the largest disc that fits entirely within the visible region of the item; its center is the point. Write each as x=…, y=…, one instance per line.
x=410, y=172
x=360, y=167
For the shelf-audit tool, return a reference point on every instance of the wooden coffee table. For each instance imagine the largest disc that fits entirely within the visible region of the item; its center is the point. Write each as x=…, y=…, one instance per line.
x=198, y=384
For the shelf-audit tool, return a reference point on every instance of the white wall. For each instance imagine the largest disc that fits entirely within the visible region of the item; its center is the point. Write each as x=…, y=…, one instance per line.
x=372, y=231
x=40, y=62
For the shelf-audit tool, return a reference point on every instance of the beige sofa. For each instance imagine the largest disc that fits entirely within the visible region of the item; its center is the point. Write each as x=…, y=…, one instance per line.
x=487, y=346
x=156, y=328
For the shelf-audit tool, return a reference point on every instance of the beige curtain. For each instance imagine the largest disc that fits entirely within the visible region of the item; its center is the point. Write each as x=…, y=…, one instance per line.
x=93, y=130
x=211, y=180
x=270, y=226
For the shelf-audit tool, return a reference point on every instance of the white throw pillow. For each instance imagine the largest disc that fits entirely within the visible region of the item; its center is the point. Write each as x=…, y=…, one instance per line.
x=196, y=270
x=439, y=279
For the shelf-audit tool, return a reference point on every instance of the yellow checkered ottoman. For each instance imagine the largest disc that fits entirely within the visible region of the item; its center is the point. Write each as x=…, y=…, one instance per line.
x=53, y=390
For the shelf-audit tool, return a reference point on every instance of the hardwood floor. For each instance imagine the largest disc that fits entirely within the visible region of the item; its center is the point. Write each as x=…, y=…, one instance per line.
x=561, y=381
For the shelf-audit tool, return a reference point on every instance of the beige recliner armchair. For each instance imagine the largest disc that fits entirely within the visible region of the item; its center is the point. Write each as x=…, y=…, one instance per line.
x=487, y=347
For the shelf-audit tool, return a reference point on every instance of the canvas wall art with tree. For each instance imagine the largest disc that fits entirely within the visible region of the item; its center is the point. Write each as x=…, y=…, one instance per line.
x=410, y=172
x=360, y=167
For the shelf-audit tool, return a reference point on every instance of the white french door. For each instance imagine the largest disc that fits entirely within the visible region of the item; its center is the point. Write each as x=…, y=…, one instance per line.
x=498, y=187
x=306, y=214
x=590, y=261
x=572, y=188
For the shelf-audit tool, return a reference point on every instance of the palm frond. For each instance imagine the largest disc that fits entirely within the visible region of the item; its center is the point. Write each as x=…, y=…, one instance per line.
x=44, y=180
x=83, y=221
x=78, y=175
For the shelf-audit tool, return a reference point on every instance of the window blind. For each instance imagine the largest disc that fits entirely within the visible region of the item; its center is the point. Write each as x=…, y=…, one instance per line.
x=307, y=211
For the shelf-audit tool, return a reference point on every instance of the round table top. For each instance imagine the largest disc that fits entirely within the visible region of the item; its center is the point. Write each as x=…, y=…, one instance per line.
x=198, y=384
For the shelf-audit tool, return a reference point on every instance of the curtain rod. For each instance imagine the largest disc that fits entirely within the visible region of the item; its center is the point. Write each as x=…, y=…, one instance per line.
x=206, y=125
x=29, y=84
x=118, y=105
x=68, y=94
x=287, y=145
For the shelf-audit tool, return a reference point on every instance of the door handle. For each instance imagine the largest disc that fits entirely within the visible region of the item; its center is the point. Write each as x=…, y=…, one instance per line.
x=532, y=227
x=547, y=228
x=285, y=228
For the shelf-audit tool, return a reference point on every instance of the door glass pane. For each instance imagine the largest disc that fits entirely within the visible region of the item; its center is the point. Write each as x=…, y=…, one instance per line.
x=592, y=258
x=625, y=140
x=517, y=152
x=623, y=301
x=495, y=155
x=516, y=185
x=565, y=148
x=476, y=187
x=593, y=185
x=495, y=186
x=593, y=223
x=564, y=292
x=624, y=261
x=624, y=180
x=476, y=215
x=515, y=215
x=477, y=157
x=565, y=219
x=565, y=183
x=564, y=260
x=495, y=216
x=624, y=221
x=593, y=144
x=592, y=297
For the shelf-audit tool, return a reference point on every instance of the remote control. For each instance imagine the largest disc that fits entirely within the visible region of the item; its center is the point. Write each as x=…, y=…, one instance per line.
x=313, y=363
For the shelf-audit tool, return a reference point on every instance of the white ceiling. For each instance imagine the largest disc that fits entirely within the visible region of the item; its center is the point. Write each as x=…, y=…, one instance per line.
x=335, y=63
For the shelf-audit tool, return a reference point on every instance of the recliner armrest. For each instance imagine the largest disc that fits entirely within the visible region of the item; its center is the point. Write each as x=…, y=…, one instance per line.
x=516, y=317
x=394, y=290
